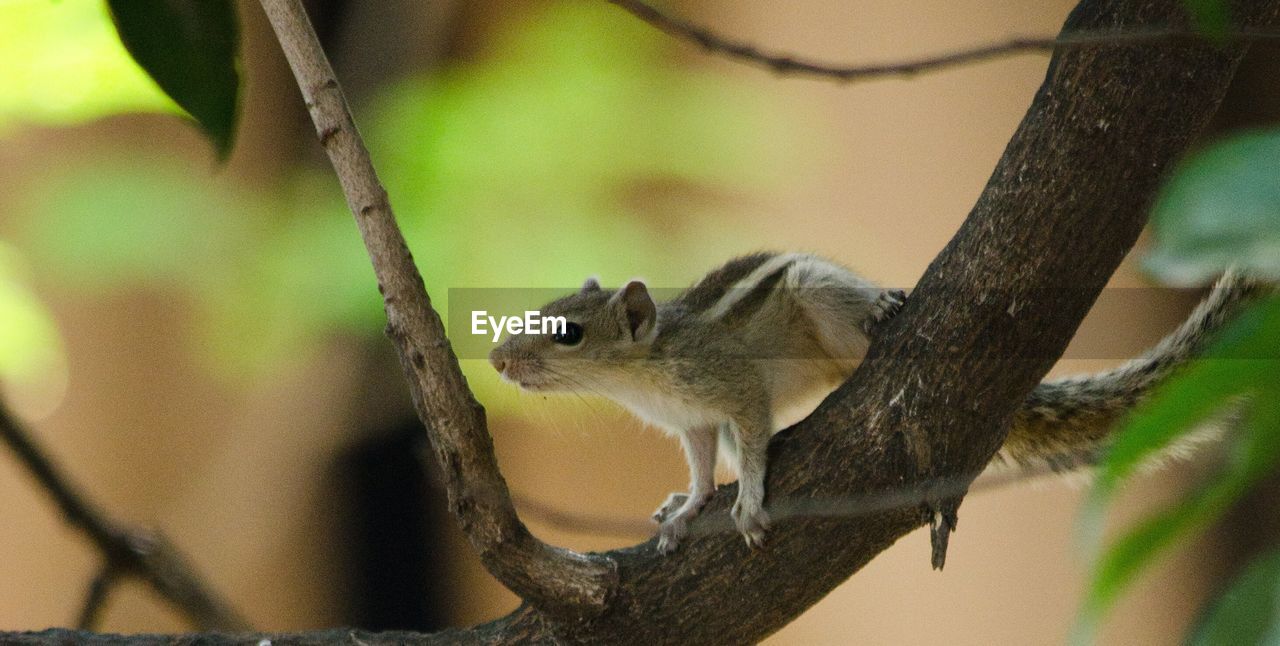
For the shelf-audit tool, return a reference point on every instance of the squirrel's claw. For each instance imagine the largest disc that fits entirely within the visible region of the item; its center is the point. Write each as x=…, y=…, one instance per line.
x=674, y=517
x=672, y=531
x=669, y=507
x=752, y=521
x=886, y=306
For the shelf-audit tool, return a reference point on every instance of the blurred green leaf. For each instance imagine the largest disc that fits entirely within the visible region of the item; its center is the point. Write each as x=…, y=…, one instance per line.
x=1248, y=613
x=30, y=346
x=1255, y=452
x=511, y=150
x=1128, y=556
x=1211, y=18
x=1241, y=370
x=1220, y=208
x=64, y=63
x=113, y=220
x=190, y=48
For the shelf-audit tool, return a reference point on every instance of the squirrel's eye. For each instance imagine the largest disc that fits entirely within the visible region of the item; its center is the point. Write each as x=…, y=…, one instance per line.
x=571, y=335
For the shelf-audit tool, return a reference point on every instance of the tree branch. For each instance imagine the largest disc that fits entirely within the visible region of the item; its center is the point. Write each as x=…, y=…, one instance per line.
x=932, y=401
x=96, y=597
x=125, y=551
x=788, y=64
x=553, y=579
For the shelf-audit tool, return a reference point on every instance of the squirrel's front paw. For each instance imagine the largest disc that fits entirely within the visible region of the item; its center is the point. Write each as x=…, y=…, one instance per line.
x=674, y=517
x=752, y=522
x=673, y=502
x=885, y=307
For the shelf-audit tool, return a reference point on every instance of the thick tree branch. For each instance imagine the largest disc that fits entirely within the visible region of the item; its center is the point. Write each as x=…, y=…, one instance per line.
x=553, y=579
x=125, y=551
x=789, y=64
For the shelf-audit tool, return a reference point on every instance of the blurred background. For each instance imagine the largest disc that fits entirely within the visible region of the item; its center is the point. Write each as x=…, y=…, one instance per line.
x=201, y=345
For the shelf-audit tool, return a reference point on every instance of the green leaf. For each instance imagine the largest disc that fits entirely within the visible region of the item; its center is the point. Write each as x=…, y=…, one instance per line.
x=1255, y=452
x=1220, y=208
x=1248, y=612
x=1133, y=552
x=189, y=47
x=1239, y=369
x=1210, y=17
x=65, y=65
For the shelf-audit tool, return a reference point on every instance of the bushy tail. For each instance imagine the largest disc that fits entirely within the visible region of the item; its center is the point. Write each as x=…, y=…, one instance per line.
x=1065, y=423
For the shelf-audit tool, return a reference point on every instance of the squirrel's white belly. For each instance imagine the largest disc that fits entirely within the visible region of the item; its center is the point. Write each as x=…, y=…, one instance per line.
x=665, y=410
x=797, y=386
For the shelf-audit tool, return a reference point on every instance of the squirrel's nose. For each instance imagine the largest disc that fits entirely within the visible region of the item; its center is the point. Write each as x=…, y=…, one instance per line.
x=499, y=363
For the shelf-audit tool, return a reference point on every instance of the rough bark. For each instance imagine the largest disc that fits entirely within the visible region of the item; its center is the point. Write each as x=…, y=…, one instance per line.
x=933, y=400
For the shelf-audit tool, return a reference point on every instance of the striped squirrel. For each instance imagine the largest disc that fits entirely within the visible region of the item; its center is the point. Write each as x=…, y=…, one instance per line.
x=756, y=344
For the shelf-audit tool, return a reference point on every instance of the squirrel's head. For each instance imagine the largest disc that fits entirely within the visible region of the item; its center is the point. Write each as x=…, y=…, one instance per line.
x=603, y=331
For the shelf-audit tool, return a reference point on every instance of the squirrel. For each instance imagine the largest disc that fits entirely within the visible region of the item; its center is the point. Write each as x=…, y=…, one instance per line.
x=757, y=343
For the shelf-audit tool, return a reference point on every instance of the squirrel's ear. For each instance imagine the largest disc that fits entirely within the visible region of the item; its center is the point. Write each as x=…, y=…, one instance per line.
x=592, y=284
x=640, y=312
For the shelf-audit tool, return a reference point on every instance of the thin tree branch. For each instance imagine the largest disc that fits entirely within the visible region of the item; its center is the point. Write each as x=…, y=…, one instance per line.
x=788, y=64
x=125, y=551
x=96, y=597
x=555, y=580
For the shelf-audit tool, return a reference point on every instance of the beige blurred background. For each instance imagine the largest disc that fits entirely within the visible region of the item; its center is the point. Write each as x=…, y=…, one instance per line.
x=244, y=474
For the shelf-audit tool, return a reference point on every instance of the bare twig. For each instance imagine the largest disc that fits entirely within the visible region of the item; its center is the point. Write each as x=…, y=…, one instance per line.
x=555, y=580
x=96, y=597
x=788, y=64
x=125, y=551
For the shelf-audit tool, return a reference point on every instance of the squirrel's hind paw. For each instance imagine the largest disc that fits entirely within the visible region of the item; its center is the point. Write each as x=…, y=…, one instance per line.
x=752, y=522
x=672, y=531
